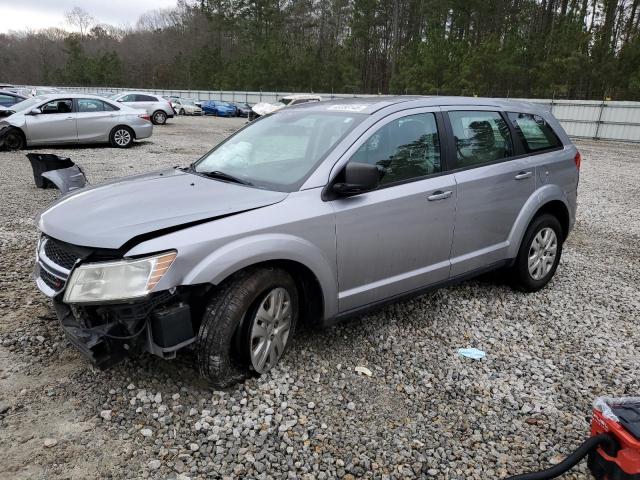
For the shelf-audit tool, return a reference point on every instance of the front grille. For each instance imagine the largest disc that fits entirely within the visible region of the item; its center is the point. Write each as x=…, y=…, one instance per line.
x=51, y=281
x=58, y=254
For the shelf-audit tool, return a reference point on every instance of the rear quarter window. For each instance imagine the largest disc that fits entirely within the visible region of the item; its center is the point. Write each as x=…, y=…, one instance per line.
x=534, y=131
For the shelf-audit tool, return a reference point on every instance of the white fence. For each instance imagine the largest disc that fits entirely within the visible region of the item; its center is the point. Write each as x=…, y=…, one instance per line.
x=600, y=120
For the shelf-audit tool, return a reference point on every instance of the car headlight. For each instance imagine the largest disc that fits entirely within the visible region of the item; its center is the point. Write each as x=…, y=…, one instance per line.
x=121, y=280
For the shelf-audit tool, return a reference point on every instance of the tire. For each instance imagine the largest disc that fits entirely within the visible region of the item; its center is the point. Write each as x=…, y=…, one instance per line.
x=538, y=252
x=159, y=117
x=181, y=112
x=14, y=140
x=121, y=137
x=231, y=320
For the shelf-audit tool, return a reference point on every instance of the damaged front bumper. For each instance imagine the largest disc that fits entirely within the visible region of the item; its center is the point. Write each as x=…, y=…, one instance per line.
x=106, y=334
x=160, y=323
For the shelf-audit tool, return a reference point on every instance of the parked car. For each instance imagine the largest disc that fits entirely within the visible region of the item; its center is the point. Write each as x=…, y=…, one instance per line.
x=264, y=108
x=185, y=106
x=73, y=118
x=8, y=99
x=242, y=109
x=35, y=91
x=314, y=214
x=218, y=108
x=157, y=107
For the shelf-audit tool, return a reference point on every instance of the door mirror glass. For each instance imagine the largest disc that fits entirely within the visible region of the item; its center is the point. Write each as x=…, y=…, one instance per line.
x=358, y=178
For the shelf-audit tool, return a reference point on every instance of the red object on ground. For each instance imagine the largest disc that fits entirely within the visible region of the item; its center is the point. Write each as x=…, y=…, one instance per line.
x=619, y=418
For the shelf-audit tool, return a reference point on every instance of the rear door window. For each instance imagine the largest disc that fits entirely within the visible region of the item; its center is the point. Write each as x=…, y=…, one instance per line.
x=90, y=105
x=145, y=98
x=534, y=131
x=480, y=137
x=403, y=149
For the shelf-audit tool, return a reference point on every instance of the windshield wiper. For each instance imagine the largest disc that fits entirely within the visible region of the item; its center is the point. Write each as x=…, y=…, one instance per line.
x=225, y=176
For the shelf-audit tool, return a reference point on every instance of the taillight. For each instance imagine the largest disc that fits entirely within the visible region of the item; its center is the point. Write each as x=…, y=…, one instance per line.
x=578, y=160
x=145, y=116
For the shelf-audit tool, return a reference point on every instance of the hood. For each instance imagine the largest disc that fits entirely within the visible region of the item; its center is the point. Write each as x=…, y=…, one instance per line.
x=110, y=214
x=265, y=108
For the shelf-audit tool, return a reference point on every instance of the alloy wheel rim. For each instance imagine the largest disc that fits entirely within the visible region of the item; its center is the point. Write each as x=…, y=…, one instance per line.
x=270, y=329
x=542, y=253
x=160, y=117
x=122, y=137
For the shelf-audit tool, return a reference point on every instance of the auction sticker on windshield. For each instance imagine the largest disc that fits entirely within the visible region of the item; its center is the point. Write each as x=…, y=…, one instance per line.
x=348, y=108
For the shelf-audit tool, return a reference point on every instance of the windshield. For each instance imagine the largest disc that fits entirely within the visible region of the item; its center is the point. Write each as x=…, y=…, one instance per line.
x=26, y=104
x=114, y=96
x=279, y=151
x=286, y=101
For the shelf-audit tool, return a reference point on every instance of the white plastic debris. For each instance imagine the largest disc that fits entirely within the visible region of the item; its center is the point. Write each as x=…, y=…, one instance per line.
x=471, y=353
x=363, y=370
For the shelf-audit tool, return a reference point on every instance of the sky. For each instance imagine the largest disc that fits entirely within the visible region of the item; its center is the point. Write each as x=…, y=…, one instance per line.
x=33, y=14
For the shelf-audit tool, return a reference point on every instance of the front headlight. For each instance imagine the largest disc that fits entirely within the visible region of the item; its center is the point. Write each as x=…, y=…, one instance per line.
x=121, y=280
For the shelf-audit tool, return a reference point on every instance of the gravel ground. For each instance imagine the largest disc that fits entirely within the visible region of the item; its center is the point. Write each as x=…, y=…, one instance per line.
x=424, y=412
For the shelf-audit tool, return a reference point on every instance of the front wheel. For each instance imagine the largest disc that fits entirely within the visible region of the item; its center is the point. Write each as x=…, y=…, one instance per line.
x=159, y=117
x=247, y=326
x=181, y=112
x=14, y=140
x=539, y=254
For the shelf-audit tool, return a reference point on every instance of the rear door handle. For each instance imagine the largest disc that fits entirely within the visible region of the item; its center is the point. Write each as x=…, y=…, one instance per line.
x=523, y=175
x=69, y=118
x=439, y=195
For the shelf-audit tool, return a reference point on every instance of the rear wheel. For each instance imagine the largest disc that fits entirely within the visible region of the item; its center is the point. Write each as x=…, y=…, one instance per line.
x=14, y=140
x=247, y=326
x=159, y=117
x=181, y=112
x=539, y=253
x=121, y=137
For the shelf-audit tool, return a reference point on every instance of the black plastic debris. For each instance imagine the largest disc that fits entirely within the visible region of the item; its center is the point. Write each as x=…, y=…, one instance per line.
x=50, y=170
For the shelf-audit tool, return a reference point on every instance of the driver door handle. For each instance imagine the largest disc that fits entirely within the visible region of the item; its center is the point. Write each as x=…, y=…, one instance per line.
x=523, y=175
x=439, y=195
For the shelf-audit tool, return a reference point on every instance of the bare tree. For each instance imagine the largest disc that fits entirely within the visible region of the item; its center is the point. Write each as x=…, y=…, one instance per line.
x=79, y=18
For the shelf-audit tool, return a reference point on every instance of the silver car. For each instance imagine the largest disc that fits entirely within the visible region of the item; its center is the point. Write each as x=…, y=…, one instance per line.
x=160, y=109
x=72, y=118
x=313, y=214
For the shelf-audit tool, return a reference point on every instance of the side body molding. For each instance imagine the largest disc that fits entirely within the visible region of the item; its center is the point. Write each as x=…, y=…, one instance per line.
x=545, y=194
x=243, y=252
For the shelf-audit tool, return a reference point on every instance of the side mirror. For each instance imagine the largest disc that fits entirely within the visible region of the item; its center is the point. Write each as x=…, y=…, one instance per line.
x=35, y=111
x=358, y=178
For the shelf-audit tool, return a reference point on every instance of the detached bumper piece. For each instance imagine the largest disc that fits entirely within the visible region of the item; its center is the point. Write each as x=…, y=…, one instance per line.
x=51, y=170
x=106, y=334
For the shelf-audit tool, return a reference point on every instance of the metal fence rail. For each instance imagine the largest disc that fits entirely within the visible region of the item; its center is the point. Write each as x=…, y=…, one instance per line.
x=600, y=120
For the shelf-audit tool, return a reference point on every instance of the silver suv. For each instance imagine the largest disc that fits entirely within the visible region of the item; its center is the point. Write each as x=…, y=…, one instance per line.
x=311, y=214
x=158, y=108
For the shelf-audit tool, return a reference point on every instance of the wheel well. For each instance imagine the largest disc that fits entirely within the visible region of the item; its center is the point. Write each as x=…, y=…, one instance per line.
x=19, y=130
x=558, y=210
x=133, y=132
x=311, y=298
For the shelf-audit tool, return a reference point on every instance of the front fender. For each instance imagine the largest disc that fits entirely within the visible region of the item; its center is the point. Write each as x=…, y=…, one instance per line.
x=543, y=195
x=247, y=251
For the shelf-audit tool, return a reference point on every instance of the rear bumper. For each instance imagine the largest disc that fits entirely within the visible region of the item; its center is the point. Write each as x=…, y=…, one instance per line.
x=143, y=131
